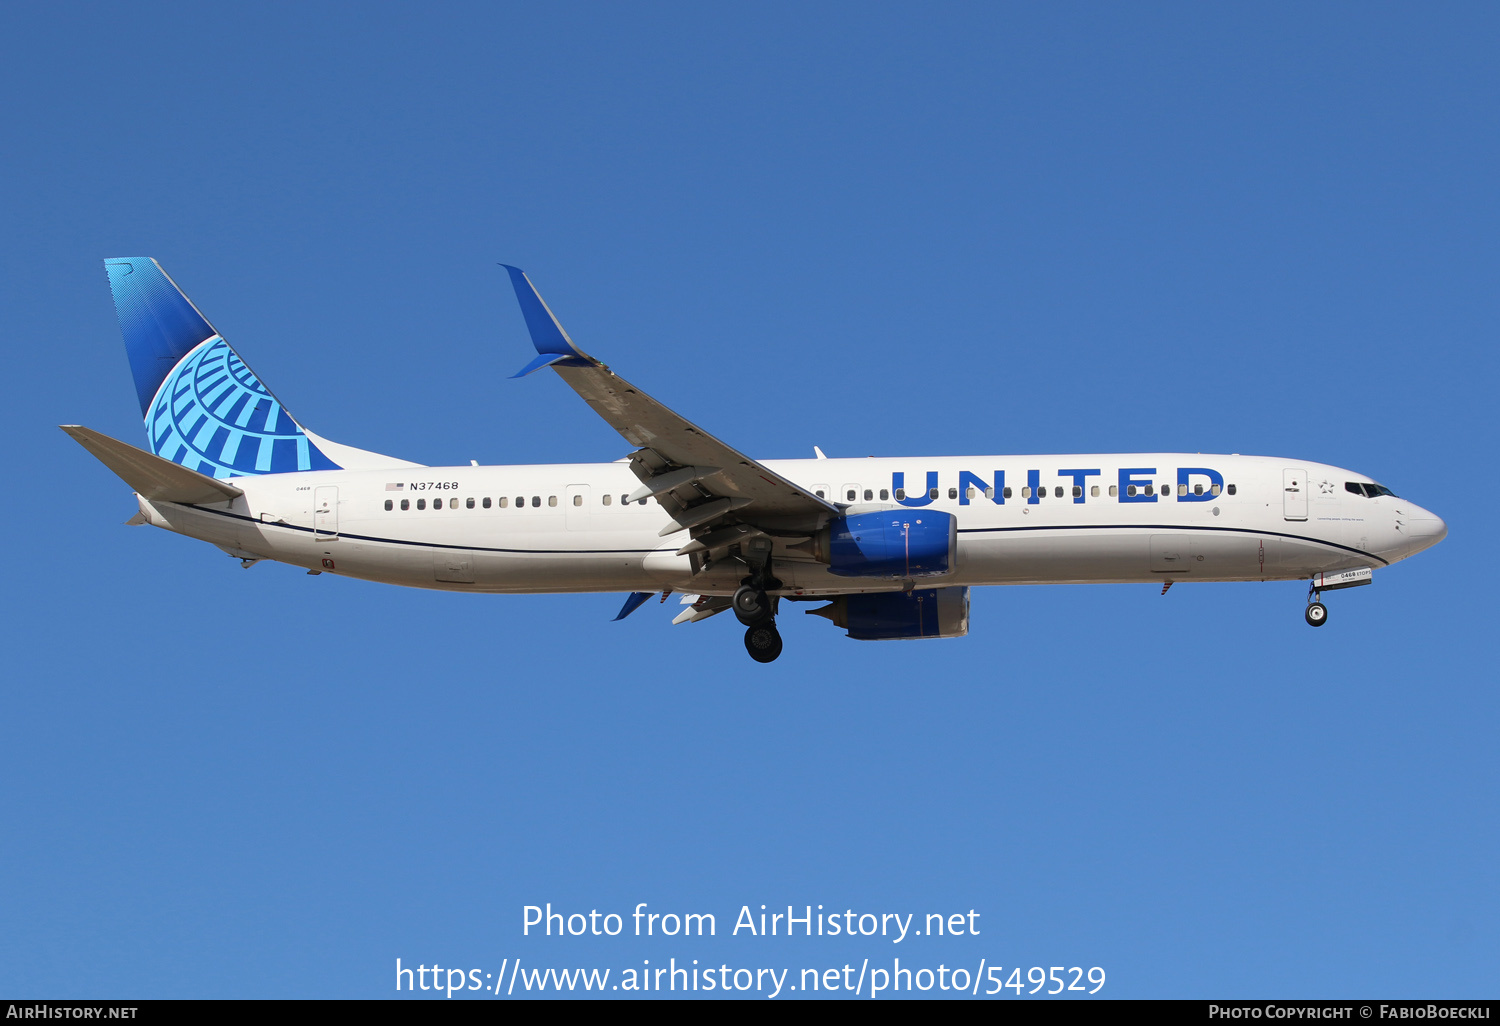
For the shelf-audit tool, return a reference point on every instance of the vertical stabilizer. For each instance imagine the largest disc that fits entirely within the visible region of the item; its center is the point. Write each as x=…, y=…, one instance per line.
x=204, y=408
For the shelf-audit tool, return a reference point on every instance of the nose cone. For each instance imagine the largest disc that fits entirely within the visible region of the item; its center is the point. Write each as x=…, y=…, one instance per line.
x=1422, y=528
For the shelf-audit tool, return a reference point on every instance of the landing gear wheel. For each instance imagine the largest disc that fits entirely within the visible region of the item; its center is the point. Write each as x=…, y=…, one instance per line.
x=751, y=606
x=763, y=642
x=1317, y=614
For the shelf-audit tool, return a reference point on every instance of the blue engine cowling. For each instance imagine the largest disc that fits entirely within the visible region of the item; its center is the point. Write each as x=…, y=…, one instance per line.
x=893, y=543
x=900, y=615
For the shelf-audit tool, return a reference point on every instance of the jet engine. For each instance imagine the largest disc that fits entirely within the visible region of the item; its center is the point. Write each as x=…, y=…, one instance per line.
x=888, y=543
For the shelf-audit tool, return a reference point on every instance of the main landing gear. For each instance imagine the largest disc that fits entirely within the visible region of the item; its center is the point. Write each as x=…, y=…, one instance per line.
x=763, y=642
x=756, y=610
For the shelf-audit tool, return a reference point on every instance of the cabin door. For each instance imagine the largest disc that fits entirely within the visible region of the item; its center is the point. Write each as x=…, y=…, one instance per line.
x=1294, y=493
x=325, y=512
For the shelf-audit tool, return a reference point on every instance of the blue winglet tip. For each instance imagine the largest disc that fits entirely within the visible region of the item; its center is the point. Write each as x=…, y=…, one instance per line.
x=544, y=360
x=632, y=603
x=546, y=334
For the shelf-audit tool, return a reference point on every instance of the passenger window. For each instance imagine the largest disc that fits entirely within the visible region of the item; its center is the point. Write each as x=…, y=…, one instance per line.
x=1007, y=491
x=952, y=493
x=821, y=495
x=624, y=500
x=503, y=501
x=536, y=500
x=1197, y=489
x=389, y=504
x=1130, y=489
x=486, y=502
x=869, y=494
x=421, y=504
x=932, y=494
x=989, y=493
x=1148, y=489
x=1114, y=491
x=453, y=503
x=900, y=493
x=607, y=498
x=1213, y=489
x=884, y=494
x=578, y=500
x=552, y=500
x=849, y=495
x=1078, y=491
x=1057, y=492
x=1231, y=489
x=640, y=502
x=1182, y=489
x=1026, y=491
x=1094, y=492
x=469, y=503
x=406, y=504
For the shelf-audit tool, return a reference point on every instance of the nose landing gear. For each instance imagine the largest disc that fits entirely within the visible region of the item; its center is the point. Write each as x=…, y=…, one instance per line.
x=1333, y=580
x=1317, y=612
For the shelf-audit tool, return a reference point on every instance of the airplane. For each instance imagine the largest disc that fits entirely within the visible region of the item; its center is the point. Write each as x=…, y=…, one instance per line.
x=890, y=545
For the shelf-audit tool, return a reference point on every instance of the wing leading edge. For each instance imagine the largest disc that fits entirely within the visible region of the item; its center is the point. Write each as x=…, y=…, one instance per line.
x=702, y=482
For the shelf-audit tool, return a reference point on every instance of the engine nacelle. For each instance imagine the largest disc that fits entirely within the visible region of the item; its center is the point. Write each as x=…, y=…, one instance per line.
x=890, y=543
x=900, y=615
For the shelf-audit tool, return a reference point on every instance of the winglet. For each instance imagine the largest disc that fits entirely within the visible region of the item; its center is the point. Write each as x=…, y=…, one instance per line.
x=552, y=343
x=632, y=603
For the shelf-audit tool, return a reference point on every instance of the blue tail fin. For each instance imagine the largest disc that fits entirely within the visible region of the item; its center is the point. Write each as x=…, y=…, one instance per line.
x=203, y=407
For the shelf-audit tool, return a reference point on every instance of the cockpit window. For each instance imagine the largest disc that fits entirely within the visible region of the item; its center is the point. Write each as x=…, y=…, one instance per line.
x=1367, y=489
x=1354, y=487
x=1373, y=490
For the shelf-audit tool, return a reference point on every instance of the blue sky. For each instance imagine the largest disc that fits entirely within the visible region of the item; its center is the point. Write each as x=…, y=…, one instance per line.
x=890, y=230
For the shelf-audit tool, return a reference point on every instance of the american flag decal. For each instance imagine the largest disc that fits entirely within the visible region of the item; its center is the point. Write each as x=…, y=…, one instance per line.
x=394, y=487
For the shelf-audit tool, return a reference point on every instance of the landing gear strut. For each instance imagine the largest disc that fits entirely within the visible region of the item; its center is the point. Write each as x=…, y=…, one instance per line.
x=1317, y=612
x=757, y=611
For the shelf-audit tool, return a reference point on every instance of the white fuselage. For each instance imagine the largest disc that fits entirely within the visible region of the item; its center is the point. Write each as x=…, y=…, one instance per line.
x=548, y=528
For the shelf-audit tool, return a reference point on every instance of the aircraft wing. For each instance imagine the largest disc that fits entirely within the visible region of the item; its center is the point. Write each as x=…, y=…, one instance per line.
x=698, y=479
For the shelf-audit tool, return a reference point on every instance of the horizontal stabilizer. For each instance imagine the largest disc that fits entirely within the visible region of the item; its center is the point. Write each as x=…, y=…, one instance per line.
x=151, y=476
